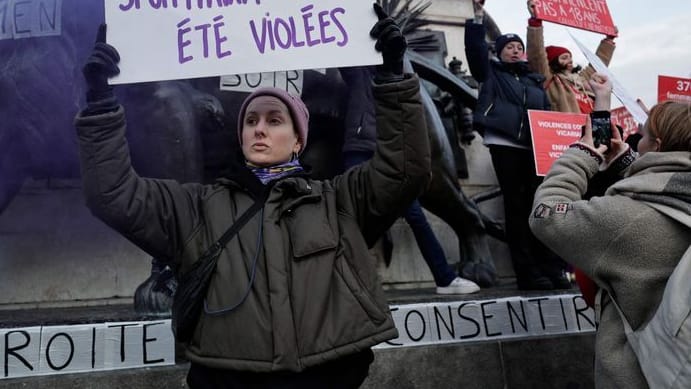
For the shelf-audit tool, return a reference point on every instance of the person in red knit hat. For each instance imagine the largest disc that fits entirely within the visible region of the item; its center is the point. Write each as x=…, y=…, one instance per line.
x=568, y=91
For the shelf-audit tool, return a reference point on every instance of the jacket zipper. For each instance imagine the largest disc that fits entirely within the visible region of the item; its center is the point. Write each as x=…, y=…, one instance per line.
x=489, y=109
x=520, y=129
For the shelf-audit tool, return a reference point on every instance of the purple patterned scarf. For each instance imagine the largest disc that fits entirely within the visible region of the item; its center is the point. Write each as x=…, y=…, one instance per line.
x=266, y=174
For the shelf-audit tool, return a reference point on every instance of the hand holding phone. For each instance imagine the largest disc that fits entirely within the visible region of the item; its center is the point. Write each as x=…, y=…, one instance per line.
x=602, y=128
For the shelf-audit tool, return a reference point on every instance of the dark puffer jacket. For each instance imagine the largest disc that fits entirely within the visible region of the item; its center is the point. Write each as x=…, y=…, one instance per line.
x=316, y=295
x=508, y=91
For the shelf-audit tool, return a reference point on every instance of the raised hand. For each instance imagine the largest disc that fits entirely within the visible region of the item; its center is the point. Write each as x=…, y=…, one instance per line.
x=390, y=42
x=101, y=65
x=602, y=88
x=531, y=8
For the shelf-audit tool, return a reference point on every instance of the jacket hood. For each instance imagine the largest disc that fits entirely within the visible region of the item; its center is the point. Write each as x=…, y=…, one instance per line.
x=663, y=178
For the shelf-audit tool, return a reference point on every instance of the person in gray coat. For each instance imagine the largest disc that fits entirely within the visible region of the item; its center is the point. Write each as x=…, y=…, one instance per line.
x=295, y=300
x=625, y=241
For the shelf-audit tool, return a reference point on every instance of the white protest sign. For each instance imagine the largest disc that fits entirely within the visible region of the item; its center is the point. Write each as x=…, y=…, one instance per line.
x=178, y=39
x=49, y=350
x=630, y=103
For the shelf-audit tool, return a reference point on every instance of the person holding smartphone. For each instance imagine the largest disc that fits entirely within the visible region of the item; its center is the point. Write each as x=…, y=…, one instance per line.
x=621, y=240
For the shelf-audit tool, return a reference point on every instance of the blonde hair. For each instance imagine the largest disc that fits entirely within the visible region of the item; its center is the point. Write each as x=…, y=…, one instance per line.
x=670, y=122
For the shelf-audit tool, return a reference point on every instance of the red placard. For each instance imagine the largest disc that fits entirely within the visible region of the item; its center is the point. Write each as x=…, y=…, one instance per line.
x=591, y=15
x=552, y=133
x=673, y=88
x=623, y=118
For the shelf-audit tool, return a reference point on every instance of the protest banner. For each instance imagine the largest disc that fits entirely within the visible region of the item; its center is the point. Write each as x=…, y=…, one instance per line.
x=552, y=133
x=30, y=18
x=167, y=40
x=673, y=88
x=622, y=117
x=85, y=348
x=617, y=88
x=591, y=15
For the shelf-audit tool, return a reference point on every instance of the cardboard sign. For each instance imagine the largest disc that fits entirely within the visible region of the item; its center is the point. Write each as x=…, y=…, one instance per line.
x=617, y=88
x=552, y=134
x=166, y=40
x=673, y=88
x=622, y=117
x=591, y=15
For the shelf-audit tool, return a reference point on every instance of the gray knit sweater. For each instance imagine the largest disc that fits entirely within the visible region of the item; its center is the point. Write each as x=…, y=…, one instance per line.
x=619, y=241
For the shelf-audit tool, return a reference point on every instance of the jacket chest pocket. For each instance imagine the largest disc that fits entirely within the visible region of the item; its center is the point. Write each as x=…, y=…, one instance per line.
x=308, y=228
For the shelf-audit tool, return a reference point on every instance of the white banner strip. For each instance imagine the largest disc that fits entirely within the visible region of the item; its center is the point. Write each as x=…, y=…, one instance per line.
x=490, y=320
x=84, y=348
x=36, y=351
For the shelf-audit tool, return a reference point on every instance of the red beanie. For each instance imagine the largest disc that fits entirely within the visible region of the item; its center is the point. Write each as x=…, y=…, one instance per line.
x=555, y=51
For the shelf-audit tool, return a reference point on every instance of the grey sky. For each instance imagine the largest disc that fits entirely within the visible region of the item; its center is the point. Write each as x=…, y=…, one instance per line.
x=654, y=39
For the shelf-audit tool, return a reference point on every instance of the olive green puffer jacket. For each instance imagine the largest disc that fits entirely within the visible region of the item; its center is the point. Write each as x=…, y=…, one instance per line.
x=315, y=295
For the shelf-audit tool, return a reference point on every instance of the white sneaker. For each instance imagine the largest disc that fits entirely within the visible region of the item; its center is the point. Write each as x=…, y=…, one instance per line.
x=459, y=286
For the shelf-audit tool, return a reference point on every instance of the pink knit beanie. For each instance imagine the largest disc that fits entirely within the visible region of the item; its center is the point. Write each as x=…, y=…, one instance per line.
x=298, y=112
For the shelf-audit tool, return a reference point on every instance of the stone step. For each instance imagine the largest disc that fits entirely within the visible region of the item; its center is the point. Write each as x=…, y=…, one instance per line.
x=498, y=357
x=551, y=363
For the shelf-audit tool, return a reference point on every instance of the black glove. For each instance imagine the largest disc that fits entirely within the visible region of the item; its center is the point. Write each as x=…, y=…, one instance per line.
x=391, y=43
x=101, y=65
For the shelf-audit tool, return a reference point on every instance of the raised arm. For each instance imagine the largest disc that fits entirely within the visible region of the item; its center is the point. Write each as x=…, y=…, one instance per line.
x=535, y=44
x=156, y=215
x=376, y=192
x=605, y=51
x=476, y=49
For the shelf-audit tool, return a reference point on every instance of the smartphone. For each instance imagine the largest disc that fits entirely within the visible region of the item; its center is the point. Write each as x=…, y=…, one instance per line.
x=602, y=129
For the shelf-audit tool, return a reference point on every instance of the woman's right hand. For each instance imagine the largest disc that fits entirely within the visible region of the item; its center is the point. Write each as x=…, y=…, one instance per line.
x=479, y=9
x=531, y=8
x=602, y=88
x=101, y=65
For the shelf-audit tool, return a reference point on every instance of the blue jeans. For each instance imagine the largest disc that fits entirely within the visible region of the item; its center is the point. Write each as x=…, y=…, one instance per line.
x=427, y=242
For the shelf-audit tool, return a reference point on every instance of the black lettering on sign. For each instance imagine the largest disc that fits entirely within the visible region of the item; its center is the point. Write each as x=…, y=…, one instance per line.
x=122, y=338
x=580, y=311
x=250, y=84
x=69, y=358
x=93, y=347
x=539, y=309
x=47, y=15
x=422, y=322
x=470, y=319
x=146, y=340
x=13, y=350
x=21, y=17
x=4, y=27
x=512, y=312
x=229, y=83
x=391, y=342
x=438, y=317
x=563, y=314
x=485, y=316
x=289, y=81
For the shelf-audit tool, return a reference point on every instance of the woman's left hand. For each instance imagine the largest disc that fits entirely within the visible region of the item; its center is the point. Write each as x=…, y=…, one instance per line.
x=617, y=146
x=390, y=42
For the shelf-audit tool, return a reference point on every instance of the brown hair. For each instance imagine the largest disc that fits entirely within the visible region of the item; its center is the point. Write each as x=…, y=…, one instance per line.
x=670, y=121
